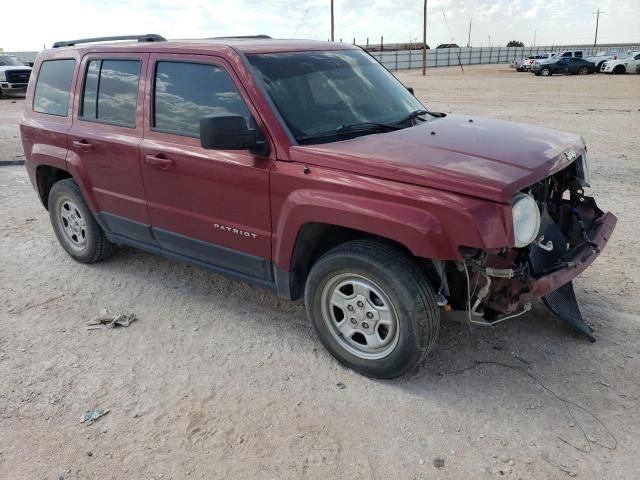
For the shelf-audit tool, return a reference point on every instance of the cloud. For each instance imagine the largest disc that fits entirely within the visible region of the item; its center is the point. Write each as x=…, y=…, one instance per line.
x=555, y=21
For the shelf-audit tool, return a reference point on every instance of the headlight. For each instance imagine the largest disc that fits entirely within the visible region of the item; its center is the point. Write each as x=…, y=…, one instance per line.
x=526, y=219
x=582, y=170
x=3, y=77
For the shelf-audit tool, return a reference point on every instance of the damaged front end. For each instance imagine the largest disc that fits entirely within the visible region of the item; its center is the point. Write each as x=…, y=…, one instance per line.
x=501, y=283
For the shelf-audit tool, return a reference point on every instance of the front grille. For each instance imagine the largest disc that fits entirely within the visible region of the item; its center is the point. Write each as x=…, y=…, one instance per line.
x=18, y=76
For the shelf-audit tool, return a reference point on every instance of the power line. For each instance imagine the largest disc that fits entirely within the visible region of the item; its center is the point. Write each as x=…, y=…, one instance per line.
x=301, y=19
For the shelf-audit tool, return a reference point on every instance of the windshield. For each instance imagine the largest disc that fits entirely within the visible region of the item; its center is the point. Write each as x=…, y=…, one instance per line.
x=6, y=61
x=322, y=92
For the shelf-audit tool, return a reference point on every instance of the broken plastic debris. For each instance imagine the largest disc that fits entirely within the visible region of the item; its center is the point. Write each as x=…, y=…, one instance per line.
x=108, y=320
x=93, y=415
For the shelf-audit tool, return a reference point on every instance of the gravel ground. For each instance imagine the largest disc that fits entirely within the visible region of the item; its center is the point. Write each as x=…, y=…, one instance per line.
x=218, y=379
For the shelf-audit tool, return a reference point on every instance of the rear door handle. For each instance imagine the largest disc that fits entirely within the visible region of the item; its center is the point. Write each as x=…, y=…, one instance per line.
x=159, y=160
x=83, y=145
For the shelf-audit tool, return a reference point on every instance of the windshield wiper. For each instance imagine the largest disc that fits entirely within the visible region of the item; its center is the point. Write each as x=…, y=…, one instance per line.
x=362, y=127
x=419, y=113
x=368, y=127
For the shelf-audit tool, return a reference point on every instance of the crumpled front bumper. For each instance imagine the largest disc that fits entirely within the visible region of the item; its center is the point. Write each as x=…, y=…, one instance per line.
x=577, y=261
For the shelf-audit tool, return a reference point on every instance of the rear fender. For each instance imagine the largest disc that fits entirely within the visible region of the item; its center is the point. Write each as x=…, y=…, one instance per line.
x=77, y=170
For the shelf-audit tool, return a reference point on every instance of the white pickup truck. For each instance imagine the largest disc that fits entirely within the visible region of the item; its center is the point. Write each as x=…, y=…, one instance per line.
x=524, y=64
x=14, y=75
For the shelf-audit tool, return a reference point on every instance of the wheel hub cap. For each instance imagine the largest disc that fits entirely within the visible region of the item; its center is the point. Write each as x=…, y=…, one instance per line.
x=73, y=225
x=360, y=316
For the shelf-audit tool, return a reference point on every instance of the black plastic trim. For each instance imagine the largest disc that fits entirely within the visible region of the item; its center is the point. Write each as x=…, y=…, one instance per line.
x=233, y=263
x=126, y=228
x=149, y=37
x=210, y=253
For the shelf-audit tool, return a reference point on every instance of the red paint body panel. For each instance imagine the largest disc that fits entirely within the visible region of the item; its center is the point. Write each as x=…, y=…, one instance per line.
x=486, y=158
x=431, y=223
x=207, y=187
x=110, y=169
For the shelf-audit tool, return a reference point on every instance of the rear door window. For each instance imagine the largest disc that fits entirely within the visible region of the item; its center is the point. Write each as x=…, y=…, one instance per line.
x=53, y=87
x=185, y=92
x=578, y=54
x=111, y=92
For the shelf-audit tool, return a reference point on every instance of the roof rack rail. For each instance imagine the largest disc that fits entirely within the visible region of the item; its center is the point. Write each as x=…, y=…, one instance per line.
x=150, y=37
x=239, y=37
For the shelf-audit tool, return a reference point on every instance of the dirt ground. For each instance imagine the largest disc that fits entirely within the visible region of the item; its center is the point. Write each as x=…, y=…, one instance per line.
x=220, y=380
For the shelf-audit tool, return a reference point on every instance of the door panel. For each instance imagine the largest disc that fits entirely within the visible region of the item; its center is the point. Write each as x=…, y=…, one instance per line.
x=107, y=150
x=200, y=200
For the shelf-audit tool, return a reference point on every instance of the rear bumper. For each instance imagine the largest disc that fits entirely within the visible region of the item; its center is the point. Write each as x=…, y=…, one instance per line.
x=577, y=261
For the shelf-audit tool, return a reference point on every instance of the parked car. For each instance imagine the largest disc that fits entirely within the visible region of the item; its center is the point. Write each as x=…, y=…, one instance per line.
x=448, y=45
x=602, y=57
x=524, y=64
x=566, y=65
x=14, y=75
x=307, y=168
x=569, y=54
x=628, y=64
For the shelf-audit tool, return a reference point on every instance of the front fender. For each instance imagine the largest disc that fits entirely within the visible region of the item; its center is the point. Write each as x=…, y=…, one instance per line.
x=429, y=223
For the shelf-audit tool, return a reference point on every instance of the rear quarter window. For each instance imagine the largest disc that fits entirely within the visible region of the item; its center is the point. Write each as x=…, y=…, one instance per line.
x=53, y=87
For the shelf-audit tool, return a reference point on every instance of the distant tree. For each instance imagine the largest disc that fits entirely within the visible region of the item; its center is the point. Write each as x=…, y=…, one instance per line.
x=515, y=43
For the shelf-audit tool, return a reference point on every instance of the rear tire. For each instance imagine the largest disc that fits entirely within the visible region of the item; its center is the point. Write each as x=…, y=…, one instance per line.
x=583, y=71
x=373, y=308
x=75, y=226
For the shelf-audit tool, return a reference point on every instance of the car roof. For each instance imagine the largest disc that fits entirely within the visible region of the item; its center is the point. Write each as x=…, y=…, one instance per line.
x=248, y=45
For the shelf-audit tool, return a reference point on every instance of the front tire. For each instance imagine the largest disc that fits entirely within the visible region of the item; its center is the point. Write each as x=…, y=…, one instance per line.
x=373, y=308
x=583, y=71
x=75, y=226
x=545, y=72
x=619, y=70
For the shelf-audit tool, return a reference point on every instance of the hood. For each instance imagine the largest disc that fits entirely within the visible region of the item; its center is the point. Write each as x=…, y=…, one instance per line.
x=484, y=158
x=14, y=67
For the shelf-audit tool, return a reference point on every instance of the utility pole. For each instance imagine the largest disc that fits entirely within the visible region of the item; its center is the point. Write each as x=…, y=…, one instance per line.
x=469, y=39
x=332, y=20
x=424, y=41
x=597, y=14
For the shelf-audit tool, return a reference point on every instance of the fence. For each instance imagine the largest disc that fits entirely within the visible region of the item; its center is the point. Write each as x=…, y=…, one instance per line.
x=445, y=57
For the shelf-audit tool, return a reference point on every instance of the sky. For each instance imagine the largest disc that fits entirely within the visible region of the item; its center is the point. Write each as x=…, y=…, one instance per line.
x=494, y=22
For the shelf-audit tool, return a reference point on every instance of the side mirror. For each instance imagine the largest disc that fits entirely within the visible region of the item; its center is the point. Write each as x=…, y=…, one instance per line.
x=411, y=91
x=230, y=132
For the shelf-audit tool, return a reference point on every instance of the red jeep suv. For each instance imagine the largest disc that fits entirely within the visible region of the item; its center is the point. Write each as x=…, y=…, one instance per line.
x=307, y=168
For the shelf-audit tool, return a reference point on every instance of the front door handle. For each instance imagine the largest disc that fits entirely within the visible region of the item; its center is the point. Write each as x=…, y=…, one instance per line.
x=83, y=145
x=159, y=160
